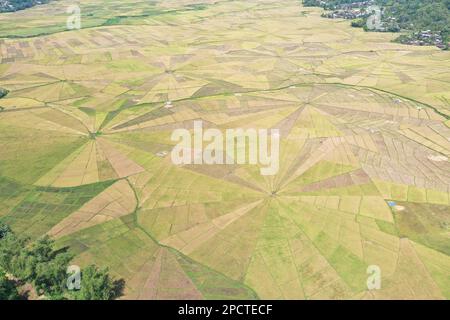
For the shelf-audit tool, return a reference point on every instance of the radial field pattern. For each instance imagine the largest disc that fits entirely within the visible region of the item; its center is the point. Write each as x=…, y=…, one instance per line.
x=364, y=179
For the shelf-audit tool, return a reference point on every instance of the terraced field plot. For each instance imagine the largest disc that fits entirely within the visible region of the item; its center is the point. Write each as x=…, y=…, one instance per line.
x=364, y=173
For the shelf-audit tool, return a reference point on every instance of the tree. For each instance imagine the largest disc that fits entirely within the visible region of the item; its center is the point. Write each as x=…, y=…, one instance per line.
x=3, y=92
x=11, y=247
x=48, y=266
x=4, y=228
x=42, y=250
x=22, y=265
x=96, y=284
x=50, y=276
x=45, y=267
x=359, y=23
x=8, y=290
x=14, y=5
x=38, y=263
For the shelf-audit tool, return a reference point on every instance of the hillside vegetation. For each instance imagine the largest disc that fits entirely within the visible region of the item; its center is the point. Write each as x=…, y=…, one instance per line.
x=425, y=21
x=15, y=5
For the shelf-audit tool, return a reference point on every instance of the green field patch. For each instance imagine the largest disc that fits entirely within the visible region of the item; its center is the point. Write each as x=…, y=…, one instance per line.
x=132, y=19
x=130, y=66
x=94, y=15
x=417, y=194
x=11, y=193
x=387, y=227
x=426, y=224
x=44, y=207
x=117, y=107
x=214, y=285
x=323, y=170
x=63, y=119
x=147, y=141
x=326, y=244
x=154, y=114
x=130, y=254
x=88, y=111
x=438, y=265
x=350, y=268
x=368, y=189
x=28, y=154
x=217, y=87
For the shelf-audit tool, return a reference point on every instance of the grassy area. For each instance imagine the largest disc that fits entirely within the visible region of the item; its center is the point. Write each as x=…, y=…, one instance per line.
x=85, y=137
x=42, y=208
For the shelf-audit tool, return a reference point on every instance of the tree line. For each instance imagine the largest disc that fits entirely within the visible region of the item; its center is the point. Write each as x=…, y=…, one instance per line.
x=413, y=16
x=38, y=263
x=15, y=5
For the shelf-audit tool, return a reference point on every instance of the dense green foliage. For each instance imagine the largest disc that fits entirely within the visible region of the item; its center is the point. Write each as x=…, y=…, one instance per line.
x=14, y=5
x=37, y=263
x=97, y=285
x=403, y=15
x=359, y=23
x=418, y=15
x=4, y=230
x=40, y=264
x=327, y=4
x=49, y=266
x=8, y=290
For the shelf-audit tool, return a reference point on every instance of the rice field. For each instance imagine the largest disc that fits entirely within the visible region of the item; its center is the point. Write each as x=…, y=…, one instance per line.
x=364, y=173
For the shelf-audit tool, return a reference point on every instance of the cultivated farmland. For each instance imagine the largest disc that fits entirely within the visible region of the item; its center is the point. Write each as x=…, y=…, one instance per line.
x=364, y=179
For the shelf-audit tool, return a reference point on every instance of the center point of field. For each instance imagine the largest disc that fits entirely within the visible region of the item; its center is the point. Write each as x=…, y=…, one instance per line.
x=94, y=135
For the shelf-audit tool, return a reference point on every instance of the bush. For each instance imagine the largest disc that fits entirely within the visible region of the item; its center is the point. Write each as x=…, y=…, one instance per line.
x=358, y=23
